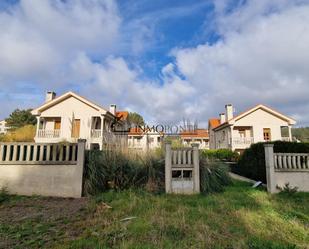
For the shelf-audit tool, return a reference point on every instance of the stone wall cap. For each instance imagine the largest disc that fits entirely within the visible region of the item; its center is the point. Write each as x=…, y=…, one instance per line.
x=268, y=145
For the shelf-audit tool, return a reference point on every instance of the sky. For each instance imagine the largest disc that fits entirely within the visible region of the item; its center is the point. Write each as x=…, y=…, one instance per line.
x=167, y=60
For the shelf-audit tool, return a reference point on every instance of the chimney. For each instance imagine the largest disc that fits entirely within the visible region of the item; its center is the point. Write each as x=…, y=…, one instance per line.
x=222, y=118
x=50, y=96
x=112, y=109
x=229, y=111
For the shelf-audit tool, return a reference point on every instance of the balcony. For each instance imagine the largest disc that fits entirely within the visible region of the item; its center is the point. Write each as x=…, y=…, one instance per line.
x=42, y=133
x=286, y=139
x=242, y=142
x=96, y=133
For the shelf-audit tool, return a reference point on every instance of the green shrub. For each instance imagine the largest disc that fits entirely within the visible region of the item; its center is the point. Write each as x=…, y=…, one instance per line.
x=221, y=154
x=252, y=163
x=113, y=169
x=213, y=176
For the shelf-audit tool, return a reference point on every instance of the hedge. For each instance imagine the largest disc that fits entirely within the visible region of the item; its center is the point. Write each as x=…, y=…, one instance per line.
x=252, y=163
x=221, y=154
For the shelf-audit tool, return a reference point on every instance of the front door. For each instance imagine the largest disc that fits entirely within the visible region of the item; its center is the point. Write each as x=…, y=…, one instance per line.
x=75, y=128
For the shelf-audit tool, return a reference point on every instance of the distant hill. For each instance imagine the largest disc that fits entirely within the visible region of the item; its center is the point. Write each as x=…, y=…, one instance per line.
x=301, y=134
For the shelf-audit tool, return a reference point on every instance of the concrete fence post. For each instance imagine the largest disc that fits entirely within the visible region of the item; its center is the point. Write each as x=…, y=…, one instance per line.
x=270, y=168
x=168, y=167
x=196, y=170
x=80, y=162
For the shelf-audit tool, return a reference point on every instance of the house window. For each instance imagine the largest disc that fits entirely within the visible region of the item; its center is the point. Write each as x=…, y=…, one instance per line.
x=223, y=135
x=138, y=140
x=96, y=123
x=158, y=139
x=285, y=131
x=75, y=128
x=57, y=124
x=267, y=134
x=242, y=133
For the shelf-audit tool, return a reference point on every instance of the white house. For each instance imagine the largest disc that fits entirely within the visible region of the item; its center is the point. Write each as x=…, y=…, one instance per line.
x=70, y=117
x=198, y=136
x=3, y=127
x=258, y=124
x=143, y=140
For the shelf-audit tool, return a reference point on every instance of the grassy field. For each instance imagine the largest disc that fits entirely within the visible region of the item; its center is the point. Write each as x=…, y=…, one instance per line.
x=240, y=217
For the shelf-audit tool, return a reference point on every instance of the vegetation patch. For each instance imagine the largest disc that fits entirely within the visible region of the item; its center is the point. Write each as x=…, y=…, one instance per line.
x=239, y=217
x=252, y=163
x=221, y=154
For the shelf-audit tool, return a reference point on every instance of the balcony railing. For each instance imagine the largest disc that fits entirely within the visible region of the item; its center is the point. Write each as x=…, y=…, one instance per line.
x=286, y=139
x=96, y=133
x=48, y=133
x=242, y=140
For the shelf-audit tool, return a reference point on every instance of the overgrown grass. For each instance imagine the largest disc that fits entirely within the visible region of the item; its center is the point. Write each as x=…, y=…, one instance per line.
x=112, y=169
x=4, y=195
x=240, y=217
x=23, y=134
x=214, y=176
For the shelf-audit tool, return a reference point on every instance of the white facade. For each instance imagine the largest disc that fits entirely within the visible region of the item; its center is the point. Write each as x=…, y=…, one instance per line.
x=198, y=136
x=3, y=127
x=70, y=117
x=143, y=141
x=259, y=124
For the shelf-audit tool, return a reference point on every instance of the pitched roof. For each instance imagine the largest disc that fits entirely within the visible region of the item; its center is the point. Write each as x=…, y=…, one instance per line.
x=66, y=96
x=260, y=106
x=201, y=133
x=123, y=115
x=213, y=123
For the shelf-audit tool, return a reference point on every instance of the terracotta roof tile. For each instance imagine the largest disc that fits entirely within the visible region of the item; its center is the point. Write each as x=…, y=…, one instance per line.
x=213, y=123
x=202, y=133
x=123, y=115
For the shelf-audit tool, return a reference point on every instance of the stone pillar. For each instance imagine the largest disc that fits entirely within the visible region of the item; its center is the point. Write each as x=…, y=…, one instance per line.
x=80, y=163
x=168, y=167
x=37, y=125
x=196, y=168
x=270, y=168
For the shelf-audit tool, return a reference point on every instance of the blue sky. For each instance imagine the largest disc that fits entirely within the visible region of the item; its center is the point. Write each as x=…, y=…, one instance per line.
x=167, y=60
x=172, y=24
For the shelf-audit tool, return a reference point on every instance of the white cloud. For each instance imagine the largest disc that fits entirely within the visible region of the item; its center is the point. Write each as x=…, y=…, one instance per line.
x=39, y=37
x=262, y=57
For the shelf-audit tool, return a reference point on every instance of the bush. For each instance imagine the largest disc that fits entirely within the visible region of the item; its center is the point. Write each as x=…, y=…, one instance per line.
x=112, y=169
x=213, y=176
x=221, y=154
x=252, y=163
x=23, y=134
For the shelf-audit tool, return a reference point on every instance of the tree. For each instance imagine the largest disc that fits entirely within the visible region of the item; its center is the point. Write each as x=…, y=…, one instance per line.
x=301, y=133
x=135, y=119
x=20, y=118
